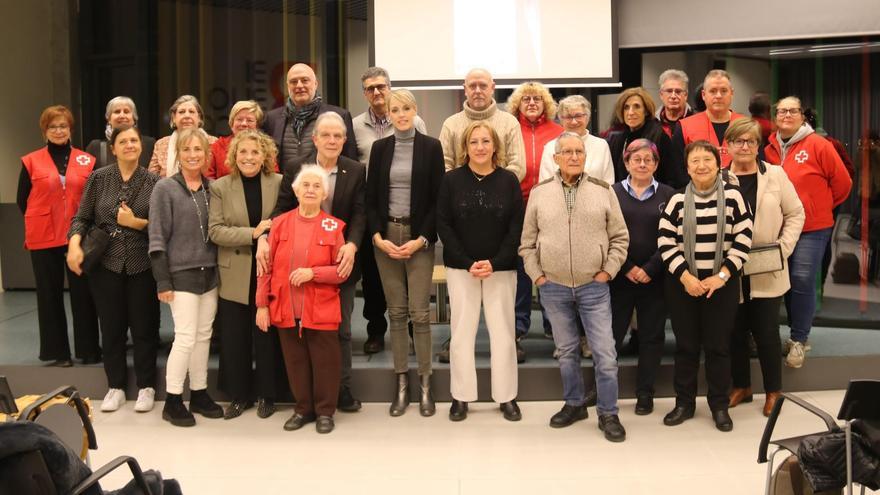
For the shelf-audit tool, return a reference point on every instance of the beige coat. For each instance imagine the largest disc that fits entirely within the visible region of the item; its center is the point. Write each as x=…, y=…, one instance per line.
x=779, y=217
x=230, y=230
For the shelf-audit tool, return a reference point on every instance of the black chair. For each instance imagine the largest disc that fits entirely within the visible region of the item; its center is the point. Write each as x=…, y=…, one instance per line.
x=862, y=401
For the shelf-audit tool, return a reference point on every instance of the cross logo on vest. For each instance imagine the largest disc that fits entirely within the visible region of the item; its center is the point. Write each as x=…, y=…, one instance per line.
x=329, y=224
x=802, y=156
x=83, y=160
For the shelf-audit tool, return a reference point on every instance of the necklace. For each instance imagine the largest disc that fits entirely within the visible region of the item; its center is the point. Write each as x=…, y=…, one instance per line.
x=478, y=176
x=199, y=212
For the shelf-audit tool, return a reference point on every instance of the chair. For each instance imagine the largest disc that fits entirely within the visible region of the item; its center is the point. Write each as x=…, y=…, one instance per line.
x=862, y=401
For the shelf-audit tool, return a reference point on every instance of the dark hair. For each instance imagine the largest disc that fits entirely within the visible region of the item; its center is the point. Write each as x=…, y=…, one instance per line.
x=699, y=104
x=702, y=145
x=759, y=104
x=119, y=130
x=811, y=117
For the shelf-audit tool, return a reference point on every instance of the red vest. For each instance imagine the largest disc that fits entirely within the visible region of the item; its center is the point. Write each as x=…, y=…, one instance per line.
x=698, y=126
x=51, y=206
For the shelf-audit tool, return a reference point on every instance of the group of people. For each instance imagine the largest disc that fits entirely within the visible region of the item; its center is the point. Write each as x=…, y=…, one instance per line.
x=657, y=220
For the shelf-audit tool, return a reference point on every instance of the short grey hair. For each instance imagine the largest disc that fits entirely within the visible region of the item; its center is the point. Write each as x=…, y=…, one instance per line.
x=718, y=73
x=332, y=117
x=375, y=72
x=180, y=101
x=314, y=170
x=118, y=101
x=566, y=135
x=568, y=102
x=675, y=74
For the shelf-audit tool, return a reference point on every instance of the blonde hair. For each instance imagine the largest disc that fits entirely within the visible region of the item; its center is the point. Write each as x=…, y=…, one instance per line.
x=497, y=154
x=532, y=87
x=741, y=127
x=264, y=142
x=186, y=135
x=250, y=106
x=404, y=96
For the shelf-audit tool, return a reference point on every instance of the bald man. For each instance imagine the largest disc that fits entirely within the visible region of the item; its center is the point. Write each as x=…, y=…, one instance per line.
x=479, y=88
x=291, y=125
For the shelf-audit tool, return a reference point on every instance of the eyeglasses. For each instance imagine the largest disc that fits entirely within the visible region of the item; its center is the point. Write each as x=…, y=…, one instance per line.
x=639, y=161
x=573, y=116
x=376, y=87
x=245, y=121
x=533, y=99
x=742, y=143
x=58, y=128
x=794, y=112
x=673, y=91
x=570, y=153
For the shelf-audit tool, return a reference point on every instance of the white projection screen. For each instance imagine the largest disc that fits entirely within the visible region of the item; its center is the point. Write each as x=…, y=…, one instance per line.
x=434, y=43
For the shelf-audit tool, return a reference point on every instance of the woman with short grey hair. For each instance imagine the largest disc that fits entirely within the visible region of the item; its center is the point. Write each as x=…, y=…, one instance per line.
x=185, y=113
x=574, y=114
x=121, y=112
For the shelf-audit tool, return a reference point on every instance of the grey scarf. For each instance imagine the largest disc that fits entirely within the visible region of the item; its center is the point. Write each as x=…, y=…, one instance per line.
x=689, y=226
x=300, y=116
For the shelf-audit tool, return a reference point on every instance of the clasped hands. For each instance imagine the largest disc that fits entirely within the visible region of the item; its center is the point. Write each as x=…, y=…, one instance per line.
x=696, y=287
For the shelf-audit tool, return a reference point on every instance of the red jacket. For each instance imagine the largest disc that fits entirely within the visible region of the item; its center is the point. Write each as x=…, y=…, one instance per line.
x=51, y=206
x=217, y=165
x=698, y=126
x=535, y=136
x=320, y=309
x=818, y=175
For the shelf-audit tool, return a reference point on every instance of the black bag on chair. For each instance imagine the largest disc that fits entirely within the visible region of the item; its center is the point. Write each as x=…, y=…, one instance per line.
x=94, y=245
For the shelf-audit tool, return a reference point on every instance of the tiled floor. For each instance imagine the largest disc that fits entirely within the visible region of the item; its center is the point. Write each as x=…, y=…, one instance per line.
x=369, y=452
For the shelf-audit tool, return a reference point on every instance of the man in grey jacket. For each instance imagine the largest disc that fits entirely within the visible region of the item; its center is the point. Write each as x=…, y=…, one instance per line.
x=574, y=241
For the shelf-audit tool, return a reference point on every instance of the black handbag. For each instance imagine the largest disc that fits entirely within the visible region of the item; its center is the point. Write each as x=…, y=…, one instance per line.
x=94, y=245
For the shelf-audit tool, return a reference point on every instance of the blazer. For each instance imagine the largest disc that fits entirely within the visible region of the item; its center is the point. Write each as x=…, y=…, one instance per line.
x=427, y=174
x=230, y=230
x=276, y=121
x=779, y=217
x=348, y=199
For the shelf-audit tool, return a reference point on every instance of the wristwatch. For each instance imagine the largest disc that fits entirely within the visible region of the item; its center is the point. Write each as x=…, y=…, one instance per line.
x=723, y=276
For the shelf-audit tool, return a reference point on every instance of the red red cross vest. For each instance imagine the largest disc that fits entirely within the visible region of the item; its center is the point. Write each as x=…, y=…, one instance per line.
x=698, y=126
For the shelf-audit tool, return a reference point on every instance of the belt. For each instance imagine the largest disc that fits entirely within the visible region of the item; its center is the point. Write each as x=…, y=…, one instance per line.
x=400, y=220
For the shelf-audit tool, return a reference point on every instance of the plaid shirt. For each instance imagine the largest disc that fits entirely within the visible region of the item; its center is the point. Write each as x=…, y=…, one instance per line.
x=379, y=124
x=570, y=191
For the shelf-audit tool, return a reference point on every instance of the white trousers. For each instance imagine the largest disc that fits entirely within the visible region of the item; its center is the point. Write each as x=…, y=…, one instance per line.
x=496, y=294
x=193, y=316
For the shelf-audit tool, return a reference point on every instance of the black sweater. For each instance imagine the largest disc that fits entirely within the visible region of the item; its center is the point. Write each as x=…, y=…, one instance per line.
x=642, y=220
x=480, y=220
x=668, y=171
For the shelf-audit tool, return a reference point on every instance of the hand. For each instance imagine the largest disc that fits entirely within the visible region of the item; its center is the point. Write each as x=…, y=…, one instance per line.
x=263, y=319
x=345, y=258
x=262, y=256
x=692, y=285
x=301, y=276
x=75, y=257
x=637, y=275
x=711, y=284
x=410, y=248
x=166, y=296
x=387, y=247
x=124, y=216
x=541, y=281
x=481, y=269
x=602, y=277
x=262, y=227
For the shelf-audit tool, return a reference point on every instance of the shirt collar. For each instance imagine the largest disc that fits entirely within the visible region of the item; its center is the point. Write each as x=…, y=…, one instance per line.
x=374, y=120
x=631, y=190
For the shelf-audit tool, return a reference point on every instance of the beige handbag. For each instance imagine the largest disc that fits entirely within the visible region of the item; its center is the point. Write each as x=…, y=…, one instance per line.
x=766, y=258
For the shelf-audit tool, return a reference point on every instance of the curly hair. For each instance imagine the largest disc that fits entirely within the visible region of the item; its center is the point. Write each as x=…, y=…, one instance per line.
x=532, y=87
x=264, y=142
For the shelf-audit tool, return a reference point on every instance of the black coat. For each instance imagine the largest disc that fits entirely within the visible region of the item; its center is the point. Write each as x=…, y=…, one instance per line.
x=667, y=172
x=427, y=174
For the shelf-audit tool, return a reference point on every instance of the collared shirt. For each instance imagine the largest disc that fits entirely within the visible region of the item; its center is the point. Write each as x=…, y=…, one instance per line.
x=646, y=194
x=327, y=204
x=379, y=123
x=570, y=191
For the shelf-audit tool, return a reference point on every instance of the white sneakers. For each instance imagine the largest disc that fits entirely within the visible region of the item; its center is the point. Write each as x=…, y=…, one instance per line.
x=114, y=399
x=145, y=400
x=797, y=353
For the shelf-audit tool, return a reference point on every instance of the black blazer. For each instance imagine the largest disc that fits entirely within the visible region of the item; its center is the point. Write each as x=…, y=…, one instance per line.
x=276, y=121
x=427, y=174
x=668, y=172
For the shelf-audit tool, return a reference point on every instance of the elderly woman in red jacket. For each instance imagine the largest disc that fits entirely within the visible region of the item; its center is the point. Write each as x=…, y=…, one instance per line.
x=299, y=295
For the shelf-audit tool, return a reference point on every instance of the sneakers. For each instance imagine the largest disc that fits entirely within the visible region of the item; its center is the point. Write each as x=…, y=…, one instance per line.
x=114, y=399
x=586, y=352
x=146, y=399
x=796, y=354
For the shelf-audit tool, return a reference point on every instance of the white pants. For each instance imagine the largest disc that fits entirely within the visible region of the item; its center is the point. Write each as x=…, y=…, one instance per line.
x=193, y=316
x=496, y=294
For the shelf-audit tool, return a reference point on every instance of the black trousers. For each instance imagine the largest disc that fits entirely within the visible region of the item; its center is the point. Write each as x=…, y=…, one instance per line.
x=50, y=265
x=760, y=317
x=374, y=295
x=242, y=344
x=127, y=301
x=702, y=324
x=649, y=303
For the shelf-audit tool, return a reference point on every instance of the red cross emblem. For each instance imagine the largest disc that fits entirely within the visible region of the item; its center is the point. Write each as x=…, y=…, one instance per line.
x=802, y=156
x=83, y=160
x=329, y=224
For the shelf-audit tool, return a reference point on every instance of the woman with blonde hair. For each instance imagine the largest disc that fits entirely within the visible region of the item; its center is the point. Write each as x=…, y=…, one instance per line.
x=244, y=115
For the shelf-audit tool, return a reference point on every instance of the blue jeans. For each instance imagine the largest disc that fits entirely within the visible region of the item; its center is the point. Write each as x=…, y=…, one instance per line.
x=523, y=305
x=592, y=304
x=803, y=265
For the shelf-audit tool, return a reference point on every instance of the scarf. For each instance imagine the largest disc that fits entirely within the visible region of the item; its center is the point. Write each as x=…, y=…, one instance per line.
x=171, y=166
x=689, y=225
x=300, y=116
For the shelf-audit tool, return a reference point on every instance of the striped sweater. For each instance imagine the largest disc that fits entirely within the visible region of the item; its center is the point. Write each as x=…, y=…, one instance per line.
x=737, y=234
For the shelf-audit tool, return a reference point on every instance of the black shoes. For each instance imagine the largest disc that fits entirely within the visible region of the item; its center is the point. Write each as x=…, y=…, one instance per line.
x=458, y=410
x=443, y=355
x=591, y=398
x=265, y=407
x=324, y=424
x=60, y=363
x=374, y=345
x=511, y=411
x=722, y=420
x=520, y=353
x=91, y=359
x=236, y=408
x=297, y=421
x=644, y=405
x=678, y=415
x=346, y=402
x=568, y=415
x=202, y=403
x=610, y=425
x=175, y=412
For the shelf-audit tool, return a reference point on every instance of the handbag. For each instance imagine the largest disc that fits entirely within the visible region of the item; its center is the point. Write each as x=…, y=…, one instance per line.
x=766, y=258
x=94, y=245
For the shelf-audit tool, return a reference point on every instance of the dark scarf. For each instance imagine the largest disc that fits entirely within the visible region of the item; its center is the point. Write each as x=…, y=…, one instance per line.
x=300, y=116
